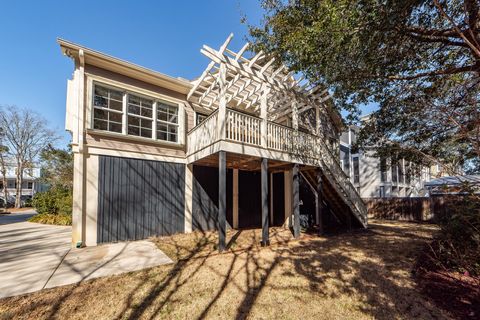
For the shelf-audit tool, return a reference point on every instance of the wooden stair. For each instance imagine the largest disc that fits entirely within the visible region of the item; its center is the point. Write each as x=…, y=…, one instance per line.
x=337, y=198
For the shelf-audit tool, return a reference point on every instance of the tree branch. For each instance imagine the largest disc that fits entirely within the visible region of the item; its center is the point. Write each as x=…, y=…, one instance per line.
x=453, y=70
x=462, y=35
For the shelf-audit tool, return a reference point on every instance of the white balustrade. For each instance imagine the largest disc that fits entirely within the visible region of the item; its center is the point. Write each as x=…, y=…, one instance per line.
x=243, y=128
x=312, y=150
x=203, y=135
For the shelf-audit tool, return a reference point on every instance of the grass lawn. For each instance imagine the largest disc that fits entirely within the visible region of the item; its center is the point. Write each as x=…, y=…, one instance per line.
x=360, y=275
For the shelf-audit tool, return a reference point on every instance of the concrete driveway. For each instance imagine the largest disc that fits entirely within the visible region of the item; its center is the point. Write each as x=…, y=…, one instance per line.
x=35, y=256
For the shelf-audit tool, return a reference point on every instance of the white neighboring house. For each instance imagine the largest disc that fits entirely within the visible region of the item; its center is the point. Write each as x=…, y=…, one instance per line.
x=29, y=185
x=378, y=178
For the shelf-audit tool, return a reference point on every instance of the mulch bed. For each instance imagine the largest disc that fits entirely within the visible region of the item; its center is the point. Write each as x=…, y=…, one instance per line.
x=456, y=293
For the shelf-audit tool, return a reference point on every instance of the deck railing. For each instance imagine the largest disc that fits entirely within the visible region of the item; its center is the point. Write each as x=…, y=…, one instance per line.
x=311, y=149
x=204, y=134
x=243, y=128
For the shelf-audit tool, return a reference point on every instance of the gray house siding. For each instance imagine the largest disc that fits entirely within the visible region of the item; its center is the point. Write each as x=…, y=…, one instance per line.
x=139, y=198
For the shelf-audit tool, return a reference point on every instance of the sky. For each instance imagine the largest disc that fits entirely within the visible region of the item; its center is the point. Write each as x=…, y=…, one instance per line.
x=165, y=36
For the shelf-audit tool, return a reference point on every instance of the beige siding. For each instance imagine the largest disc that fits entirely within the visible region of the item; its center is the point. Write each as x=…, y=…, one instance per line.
x=98, y=140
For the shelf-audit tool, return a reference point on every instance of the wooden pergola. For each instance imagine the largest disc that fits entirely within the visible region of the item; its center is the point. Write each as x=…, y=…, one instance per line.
x=256, y=86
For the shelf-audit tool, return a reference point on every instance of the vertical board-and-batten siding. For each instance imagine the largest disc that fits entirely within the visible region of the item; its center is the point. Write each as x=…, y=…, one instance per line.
x=139, y=198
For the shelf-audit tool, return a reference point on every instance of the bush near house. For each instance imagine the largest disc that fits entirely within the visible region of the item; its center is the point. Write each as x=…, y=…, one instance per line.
x=457, y=246
x=53, y=206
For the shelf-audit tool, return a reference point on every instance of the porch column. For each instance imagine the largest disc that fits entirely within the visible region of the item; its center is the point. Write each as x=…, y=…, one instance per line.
x=263, y=116
x=295, y=115
x=222, y=105
x=296, y=201
x=222, y=200
x=319, y=202
x=264, y=188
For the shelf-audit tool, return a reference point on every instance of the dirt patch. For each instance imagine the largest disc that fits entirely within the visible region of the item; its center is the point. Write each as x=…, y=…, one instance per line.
x=359, y=275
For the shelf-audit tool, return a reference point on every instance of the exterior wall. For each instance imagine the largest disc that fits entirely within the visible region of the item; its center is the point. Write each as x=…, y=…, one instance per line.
x=370, y=184
x=138, y=199
x=90, y=145
x=369, y=176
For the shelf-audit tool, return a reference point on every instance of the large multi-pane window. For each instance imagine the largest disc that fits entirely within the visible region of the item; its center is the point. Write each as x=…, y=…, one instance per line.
x=394, y=171
x=140, y=111
x=383, y=170
x=107, y=109
x=401, y=172
x=167, y=122
x=144, y=117
x=356, y=170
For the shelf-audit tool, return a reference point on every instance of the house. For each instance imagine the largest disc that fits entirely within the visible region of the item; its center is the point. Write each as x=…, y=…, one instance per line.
x=453, y=184
x=244, y=145
x=374, y=177
x=30, y=183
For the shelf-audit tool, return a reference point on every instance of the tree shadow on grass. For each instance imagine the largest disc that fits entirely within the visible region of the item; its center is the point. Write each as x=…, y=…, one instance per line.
x=359, y=274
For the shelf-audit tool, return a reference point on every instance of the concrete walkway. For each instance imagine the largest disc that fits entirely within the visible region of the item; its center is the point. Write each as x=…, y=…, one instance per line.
x=35, y=256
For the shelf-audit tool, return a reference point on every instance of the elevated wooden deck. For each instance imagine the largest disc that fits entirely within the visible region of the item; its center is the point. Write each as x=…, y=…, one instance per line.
x=251, y=136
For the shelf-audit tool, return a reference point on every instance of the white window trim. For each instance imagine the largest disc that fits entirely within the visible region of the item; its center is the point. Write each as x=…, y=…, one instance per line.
x=125, y=88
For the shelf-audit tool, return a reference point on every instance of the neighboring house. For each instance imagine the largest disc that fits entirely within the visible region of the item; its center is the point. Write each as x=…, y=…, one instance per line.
x=30, y=176
x=244, y=145
x=453, y=184
x=374, y=177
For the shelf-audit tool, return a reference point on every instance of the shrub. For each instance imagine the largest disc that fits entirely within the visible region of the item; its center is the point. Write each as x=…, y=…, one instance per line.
x=60, y=219
x=458, y=244
x=57, y=200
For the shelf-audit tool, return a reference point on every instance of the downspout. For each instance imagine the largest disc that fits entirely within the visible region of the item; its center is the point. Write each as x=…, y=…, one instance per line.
x=78, y=230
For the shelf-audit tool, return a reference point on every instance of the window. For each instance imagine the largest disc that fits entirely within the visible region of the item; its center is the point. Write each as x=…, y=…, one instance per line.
x=383, y=170
x=356, y=170
x=408, y=173
x=395, y=172
x=200, y=118
x=30, y=185
x=107, y=109
x=167, y=122
x=401, y=173
x=140, y=111
x=132, y=114
x=382, y=192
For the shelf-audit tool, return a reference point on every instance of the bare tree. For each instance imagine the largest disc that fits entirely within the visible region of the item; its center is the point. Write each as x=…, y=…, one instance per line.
x=3, y=165
x=26, y=134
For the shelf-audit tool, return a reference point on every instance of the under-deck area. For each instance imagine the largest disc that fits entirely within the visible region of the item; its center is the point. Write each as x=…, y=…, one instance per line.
x=237, y=191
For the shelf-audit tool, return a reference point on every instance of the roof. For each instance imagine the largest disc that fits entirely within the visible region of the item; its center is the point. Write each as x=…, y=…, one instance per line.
x=453, y=180
x=117, y=65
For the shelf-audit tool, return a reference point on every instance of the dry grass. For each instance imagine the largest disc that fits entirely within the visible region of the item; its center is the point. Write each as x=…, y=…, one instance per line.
x=362, y=275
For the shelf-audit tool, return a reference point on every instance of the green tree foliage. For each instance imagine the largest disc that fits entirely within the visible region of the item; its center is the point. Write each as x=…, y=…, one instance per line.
x=56, y=200
x=57, y=167
x=418, y=60
x=55, y=205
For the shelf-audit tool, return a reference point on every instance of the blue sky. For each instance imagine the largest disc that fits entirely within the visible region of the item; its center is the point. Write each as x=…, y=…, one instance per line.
x=165, y=36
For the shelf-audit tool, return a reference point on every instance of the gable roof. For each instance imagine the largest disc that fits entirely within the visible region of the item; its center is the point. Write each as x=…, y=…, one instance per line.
x=104, y=61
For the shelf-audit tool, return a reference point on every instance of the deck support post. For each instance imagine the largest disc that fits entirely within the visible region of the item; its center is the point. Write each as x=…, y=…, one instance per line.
x=296, y=201
x=264, y=188
x=222, y=200
x=319, y=202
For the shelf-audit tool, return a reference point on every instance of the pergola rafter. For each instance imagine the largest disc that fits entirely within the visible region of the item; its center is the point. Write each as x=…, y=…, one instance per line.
x=249, y=81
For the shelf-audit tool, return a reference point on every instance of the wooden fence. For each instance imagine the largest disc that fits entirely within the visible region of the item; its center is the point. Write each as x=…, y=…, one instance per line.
x=409, y=209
